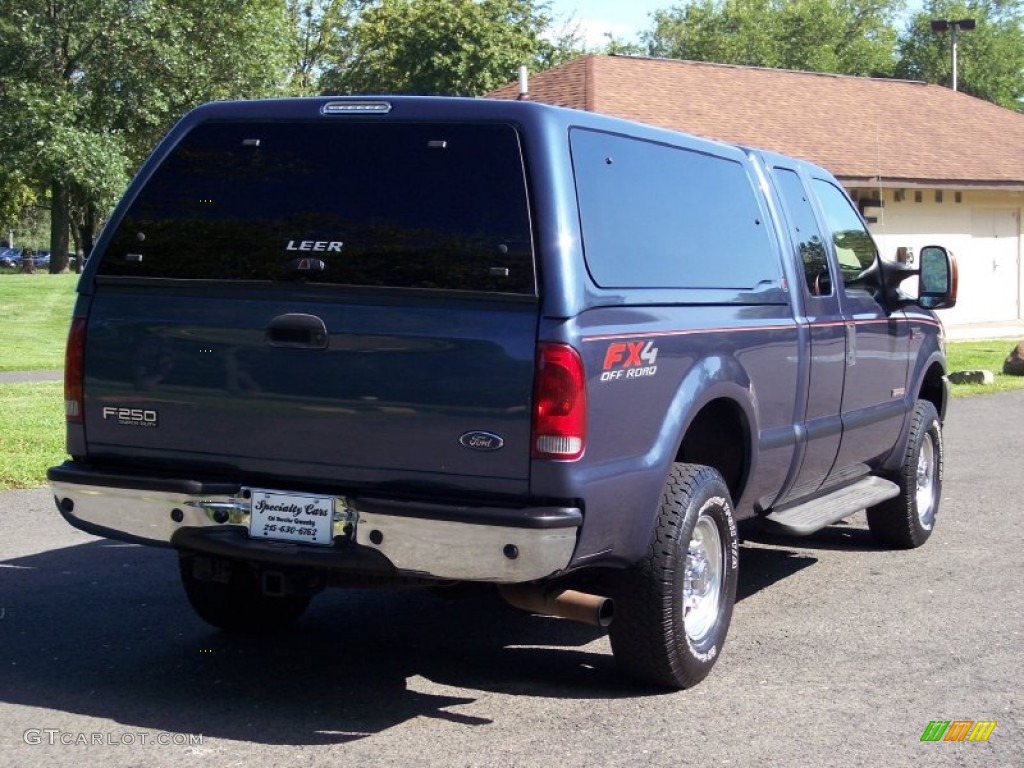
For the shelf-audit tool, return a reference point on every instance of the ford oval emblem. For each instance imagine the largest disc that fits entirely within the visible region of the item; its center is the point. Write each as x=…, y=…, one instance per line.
x=481, y=441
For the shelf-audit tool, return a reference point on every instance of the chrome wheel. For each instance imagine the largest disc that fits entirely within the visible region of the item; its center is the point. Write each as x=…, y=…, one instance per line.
x=907, y=519
x=702, y=580
x=925, y=496
x=674, y=605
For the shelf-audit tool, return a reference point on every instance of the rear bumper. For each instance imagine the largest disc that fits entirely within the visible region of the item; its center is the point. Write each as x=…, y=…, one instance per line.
x=441, y=541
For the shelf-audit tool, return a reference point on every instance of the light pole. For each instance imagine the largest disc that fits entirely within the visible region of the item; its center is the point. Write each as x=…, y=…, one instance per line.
x=951, y=25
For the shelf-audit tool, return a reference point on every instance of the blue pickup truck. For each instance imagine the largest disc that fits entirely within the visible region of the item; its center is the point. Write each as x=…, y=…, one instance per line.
x=413, y=341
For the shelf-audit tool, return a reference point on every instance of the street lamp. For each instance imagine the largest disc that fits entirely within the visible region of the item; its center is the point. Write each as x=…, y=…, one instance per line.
x=951, y=26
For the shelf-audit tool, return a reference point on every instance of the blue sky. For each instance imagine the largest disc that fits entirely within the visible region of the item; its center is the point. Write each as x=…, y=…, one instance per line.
x=623, y=18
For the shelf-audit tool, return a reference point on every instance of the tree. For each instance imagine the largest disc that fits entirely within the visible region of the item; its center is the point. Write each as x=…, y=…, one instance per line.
x=463, y=47
x=91, y=85
x=321, y=30
x=616, y=46
x=991, y=56
x=856, y=37
x=733, y=32
x=16, y=195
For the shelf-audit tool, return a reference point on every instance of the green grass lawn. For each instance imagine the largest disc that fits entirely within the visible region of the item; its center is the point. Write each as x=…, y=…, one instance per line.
x=977, y=355
x=31, y=432
x=36, y=310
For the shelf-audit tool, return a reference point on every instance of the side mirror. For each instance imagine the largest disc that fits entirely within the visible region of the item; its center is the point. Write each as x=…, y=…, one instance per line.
x=938, y=278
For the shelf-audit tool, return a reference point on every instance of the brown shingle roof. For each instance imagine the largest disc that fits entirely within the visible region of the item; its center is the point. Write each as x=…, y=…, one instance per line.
x=859, y=128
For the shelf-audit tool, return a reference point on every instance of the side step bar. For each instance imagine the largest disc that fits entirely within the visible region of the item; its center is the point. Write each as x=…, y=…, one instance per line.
x=811, y=516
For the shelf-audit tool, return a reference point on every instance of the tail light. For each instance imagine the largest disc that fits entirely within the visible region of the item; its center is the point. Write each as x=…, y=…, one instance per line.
x=559, y=404
x=74, y=371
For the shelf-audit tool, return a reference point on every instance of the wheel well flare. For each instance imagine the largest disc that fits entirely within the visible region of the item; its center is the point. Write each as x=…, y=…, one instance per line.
x=719, y=437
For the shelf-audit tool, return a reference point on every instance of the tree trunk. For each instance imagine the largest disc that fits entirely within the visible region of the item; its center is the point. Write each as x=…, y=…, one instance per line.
x=83, y=228
x=59, y=228
x=88, y=231
x=76, y=237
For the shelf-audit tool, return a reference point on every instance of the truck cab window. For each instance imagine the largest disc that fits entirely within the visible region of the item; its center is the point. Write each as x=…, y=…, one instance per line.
x=855, y=250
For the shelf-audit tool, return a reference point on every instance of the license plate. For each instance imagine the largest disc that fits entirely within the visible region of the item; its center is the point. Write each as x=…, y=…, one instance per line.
x=279, y=516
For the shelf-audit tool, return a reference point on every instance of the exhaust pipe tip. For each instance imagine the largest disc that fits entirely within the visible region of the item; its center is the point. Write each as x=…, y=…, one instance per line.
x=596, y=610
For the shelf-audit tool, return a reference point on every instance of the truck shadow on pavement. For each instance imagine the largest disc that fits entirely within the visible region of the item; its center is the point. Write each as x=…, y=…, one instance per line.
x=847, y=535
x=103, y=630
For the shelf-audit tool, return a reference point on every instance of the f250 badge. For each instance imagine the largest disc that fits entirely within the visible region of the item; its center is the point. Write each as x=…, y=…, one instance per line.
x=131, y=417
x=481, y=441
x=629, y=360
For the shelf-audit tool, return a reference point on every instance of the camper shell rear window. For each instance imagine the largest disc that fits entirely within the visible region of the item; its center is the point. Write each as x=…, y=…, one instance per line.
x=409, y=205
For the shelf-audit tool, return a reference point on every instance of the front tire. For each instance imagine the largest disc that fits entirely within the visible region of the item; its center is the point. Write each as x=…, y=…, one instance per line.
x=229, y=595
x=907, y=520
x=673, y=608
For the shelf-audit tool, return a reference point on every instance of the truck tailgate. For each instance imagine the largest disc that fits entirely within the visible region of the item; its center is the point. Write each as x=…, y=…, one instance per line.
x=241, y=379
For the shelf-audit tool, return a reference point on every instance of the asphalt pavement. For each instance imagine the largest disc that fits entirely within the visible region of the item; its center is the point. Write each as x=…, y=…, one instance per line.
x=839, y=654
x=1010, y=329
x=22, y=377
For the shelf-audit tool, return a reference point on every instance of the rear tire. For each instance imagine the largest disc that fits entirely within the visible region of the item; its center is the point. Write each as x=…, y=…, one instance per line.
x=229, y=595
x=673, y=608
x=907, y=520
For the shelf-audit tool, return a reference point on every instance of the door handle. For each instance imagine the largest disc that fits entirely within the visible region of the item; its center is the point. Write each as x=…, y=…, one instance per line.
x=297, y=330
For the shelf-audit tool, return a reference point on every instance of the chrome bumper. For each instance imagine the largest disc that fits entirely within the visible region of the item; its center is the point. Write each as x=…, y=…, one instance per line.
x=413, y=542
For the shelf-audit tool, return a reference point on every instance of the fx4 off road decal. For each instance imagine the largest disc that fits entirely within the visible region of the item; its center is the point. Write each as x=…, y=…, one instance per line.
x=629, y=360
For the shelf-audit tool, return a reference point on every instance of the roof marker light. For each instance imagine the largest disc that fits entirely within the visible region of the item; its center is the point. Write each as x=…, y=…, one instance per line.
x=355, y=108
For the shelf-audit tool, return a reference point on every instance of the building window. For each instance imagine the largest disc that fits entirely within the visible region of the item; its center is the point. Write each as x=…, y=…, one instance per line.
x=900, y=195
x=918, y=197
x=958, y=197
x=938, y=195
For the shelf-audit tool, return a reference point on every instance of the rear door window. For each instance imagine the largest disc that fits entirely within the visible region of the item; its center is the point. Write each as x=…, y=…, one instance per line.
x=410, y=205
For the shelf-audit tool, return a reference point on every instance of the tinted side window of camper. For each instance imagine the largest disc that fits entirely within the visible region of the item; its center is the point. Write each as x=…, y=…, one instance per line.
x=660, y=216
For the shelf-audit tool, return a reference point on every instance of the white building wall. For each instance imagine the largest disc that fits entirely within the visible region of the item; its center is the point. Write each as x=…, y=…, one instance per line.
x=982, y=228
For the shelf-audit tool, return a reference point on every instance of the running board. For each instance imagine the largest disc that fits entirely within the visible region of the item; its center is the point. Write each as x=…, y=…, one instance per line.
x=811, y=516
